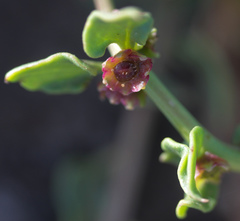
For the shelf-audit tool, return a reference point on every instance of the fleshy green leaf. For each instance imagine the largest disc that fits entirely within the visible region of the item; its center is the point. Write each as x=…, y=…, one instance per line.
x=128, y=27
x=61, y=73
x=200, y=194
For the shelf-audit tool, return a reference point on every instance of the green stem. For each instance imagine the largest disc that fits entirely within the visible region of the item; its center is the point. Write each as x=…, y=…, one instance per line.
x=184, y=122
x=226, y=151
x=180, y=118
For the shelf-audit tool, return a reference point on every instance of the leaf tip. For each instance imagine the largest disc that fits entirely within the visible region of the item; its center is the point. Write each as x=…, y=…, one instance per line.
x=8, y=76
x=6, y=81
x=181, y=210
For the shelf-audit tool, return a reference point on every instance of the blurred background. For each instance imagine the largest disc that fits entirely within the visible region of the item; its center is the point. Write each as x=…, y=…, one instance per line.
x=75, y=158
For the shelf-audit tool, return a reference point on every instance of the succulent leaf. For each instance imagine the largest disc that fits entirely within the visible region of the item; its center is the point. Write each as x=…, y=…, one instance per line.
x=61, y=73
x=128, y=27
x=198, y=172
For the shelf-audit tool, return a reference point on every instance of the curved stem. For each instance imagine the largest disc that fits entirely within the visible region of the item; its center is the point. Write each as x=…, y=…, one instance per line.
x=184, y=122
x=176, y=113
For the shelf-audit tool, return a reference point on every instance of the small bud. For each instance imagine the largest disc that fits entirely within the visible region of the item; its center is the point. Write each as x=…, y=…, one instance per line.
x=210, y=167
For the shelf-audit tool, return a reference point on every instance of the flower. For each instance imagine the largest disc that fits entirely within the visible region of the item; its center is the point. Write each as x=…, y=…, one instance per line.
x=210, y=167
x=128, y=101
x=126, y=72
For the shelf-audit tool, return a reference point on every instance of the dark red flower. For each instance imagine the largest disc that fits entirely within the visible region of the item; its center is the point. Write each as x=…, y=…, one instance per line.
x=126, y=72
x=130, y=101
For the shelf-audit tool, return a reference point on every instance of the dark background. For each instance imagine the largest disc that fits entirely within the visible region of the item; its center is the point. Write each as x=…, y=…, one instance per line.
x=44, y=138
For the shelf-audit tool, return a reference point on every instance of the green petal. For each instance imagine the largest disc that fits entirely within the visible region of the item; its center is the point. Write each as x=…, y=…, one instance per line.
x=128, y=27
x=61, y=73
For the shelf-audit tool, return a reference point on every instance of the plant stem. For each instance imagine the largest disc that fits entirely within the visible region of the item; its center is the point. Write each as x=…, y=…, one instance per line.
x=178, y=115
x=180, y=118
x=104, y=5
x=184, y=122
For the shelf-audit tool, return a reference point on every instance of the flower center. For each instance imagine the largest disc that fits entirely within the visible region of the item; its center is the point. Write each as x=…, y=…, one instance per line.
x=125, y=70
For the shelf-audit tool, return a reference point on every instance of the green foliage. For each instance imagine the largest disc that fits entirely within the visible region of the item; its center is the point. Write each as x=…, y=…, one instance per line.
x=79, y=185
x=64, y=73
x=200, y=193
x=128, y=27
x=59, y=73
